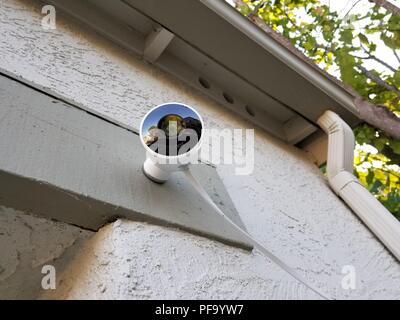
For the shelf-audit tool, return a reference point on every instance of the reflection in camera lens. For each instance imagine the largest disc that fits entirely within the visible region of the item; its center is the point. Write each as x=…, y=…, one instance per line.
x=173, y=134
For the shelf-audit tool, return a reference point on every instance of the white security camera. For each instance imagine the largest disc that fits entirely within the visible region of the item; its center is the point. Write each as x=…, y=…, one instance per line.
x=171, y=133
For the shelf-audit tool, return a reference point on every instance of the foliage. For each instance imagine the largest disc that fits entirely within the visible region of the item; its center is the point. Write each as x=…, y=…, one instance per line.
x=355, y=47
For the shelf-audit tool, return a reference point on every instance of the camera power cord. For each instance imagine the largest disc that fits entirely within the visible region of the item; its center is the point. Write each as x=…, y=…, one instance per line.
x=199, y=188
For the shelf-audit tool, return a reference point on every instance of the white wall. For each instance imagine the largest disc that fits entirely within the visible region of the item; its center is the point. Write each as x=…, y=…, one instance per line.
x=286, y=203
x=27, y=244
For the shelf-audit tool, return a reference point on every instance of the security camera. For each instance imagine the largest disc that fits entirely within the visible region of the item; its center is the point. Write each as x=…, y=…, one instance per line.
x=171, y=134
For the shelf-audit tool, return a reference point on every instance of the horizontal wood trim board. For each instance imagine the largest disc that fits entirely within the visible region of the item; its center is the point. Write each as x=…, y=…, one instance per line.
x=65, y=164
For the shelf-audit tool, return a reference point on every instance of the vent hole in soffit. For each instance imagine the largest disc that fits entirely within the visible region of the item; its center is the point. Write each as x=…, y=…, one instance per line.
x=228, y=98
x=250, y=111
x=204, y=83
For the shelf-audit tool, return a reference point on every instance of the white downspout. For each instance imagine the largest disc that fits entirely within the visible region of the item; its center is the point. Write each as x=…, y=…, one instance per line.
x=340, y=167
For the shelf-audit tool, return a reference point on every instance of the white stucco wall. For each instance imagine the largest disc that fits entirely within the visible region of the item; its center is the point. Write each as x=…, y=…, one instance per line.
x=28, y=243
x=286, y=203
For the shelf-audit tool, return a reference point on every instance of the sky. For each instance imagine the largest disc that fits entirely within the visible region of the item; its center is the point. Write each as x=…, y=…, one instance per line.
x=155, y=116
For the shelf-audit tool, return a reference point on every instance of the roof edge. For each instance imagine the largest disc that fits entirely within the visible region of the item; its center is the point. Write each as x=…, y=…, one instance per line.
x=300, y=66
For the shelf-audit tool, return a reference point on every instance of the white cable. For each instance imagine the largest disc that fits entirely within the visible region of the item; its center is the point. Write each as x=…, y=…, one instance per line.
x=196, y=184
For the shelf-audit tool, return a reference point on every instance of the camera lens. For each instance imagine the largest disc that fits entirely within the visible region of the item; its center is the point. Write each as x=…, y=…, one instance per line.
x=171, y=129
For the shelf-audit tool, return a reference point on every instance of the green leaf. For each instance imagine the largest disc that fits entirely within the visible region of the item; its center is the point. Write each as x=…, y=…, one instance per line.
x=394, y=23
x=363, y=39
x=380, y=143
x=390, y=41
x=395, y=146
x=377, y=185
x=346, y=36
x=396, y=78
x=346, y=64
x=370, y=177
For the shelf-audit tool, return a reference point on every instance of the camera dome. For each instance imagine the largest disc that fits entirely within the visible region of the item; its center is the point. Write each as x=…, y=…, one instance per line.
x=171, y=129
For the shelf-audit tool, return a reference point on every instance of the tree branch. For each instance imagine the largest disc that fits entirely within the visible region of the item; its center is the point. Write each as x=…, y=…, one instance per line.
x=371, y=56
x=378, y=80
x=396, y=55
x=382, y=62
x=352, y=7
x=379, y=117
x=388, y=6
x=362, y=58
x=254, y=13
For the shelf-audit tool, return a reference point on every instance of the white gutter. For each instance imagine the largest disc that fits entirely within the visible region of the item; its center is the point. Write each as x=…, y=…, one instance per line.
x=257, y=35
x=340, y=167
